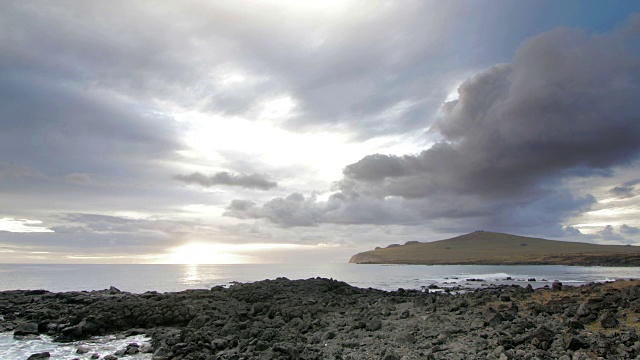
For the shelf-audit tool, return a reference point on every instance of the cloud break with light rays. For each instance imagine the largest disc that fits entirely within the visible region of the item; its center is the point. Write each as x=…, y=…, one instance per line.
x=288, y=131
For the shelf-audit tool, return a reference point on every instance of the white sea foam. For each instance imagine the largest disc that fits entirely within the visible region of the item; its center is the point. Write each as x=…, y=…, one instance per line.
x=17, y=349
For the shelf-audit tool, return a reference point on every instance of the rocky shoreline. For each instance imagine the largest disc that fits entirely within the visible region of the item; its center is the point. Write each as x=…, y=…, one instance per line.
x=328, y=319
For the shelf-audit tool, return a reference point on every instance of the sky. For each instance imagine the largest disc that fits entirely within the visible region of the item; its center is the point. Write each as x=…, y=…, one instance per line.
x=307, y=131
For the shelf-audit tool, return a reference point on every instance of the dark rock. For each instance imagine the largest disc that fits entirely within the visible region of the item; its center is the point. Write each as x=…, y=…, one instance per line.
x=374, y=324
x=329, y=335
x=540, y=335
x=406, y=338
x=83, y=330
x=132, y=332
x=198, y=322
x=608, y=320
x=42, y=355
x=572, y=342
x=161, y=353
x=24, y=329
x=573, y=324
x=285, y=319
x=132, y=350
x=556, y=286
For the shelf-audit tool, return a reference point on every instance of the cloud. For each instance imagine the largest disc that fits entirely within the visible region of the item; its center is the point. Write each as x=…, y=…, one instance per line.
x=624, y=233
x=79, y=179
x=296, y=210
x=626, y=190
x=88, y=97
x=22, y=226
x=9, y=170
x=572, y=231
x=84, y=234
x=566, y=106
x=251, y=181
x=80, y=130
x=608, y=233
x=369, y=70
x=629, y=230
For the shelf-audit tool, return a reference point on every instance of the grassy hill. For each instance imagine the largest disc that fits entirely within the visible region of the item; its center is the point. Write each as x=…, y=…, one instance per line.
x=490, y=248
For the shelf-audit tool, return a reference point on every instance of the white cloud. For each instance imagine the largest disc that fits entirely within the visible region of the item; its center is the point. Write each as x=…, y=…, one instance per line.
x=22, y=226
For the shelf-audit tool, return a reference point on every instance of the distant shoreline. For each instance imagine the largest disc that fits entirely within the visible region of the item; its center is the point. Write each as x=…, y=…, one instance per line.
x=489, y=248
x=579, y=260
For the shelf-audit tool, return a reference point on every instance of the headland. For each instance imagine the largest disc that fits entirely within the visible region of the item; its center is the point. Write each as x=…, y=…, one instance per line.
x=490, y=248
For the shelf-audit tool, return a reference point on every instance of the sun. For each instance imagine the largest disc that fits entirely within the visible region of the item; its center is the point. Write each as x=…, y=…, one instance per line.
x=198, y=253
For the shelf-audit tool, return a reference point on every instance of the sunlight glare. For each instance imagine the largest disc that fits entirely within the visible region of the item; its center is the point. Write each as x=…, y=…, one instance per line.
x=22, y=226
x=321, y=7
x=202, y=253
x=327, y=152
x=277, y=109
x=205, y=254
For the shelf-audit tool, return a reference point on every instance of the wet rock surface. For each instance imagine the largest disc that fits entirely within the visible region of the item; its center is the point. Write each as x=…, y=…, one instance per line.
x=328, y=319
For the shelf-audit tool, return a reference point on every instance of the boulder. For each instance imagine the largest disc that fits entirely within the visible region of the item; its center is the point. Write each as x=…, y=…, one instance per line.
x=37, y=356
x=608, y=320
x=24, y=329
x=161, y=353
x=82, y=349
x=556, y=286
x=572, y=342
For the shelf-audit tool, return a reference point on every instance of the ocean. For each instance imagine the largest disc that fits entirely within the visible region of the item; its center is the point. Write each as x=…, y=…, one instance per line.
x=166, y=278
x=170, y=278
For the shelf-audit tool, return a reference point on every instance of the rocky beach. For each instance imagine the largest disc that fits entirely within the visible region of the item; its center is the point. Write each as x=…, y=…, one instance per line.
x=328, y=319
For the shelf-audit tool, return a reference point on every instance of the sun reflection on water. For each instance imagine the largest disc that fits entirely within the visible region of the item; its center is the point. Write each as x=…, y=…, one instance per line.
x=192, y=274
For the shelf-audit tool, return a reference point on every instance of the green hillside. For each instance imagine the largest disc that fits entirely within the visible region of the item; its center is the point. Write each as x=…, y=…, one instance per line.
x=489, y=248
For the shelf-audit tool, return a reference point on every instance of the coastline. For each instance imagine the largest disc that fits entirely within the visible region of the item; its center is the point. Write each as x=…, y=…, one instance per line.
x=323, y=318
x=608, y=260
x=491, y=248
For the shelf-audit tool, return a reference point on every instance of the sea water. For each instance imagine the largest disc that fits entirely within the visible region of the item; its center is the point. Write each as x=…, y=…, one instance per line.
x=19, y=349
x=170, y=278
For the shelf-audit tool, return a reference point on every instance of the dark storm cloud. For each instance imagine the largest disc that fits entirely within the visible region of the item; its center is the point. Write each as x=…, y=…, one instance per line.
x=247, y=181
x=565, y=106
x=61, y=130
x=298, y=210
